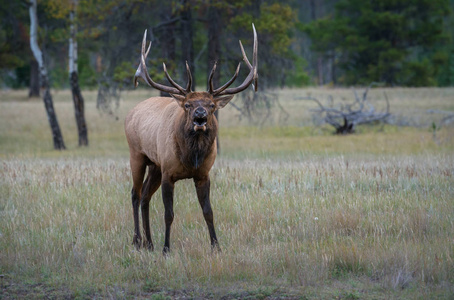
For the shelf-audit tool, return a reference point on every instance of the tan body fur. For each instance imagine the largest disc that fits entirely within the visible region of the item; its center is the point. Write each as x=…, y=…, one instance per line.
x=149, y=134
x=163, y=138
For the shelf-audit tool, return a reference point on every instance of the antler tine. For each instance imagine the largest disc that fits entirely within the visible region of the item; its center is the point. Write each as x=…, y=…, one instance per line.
x=254, y=60
x=251, y=77
x=143, y=55
x=246, y=60
x=142, y=72
x=143, y=44
x=225, y=86
x=210, y=79
x=172, y=82
x=189, y=85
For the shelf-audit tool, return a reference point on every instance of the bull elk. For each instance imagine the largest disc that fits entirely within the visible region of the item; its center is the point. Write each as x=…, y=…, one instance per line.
x=175, y=137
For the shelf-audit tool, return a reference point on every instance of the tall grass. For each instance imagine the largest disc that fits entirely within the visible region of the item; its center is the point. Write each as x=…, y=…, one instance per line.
x=298, y=214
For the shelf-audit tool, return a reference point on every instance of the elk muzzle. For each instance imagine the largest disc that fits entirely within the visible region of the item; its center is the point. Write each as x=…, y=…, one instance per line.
x=200, y=118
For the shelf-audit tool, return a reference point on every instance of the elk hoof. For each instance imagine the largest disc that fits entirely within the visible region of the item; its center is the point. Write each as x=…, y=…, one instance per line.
x=166, y=251
x=215, y=248
x=148, y=245
x=137, y=241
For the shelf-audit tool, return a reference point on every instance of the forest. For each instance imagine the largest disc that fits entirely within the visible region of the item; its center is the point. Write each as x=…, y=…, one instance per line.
x=301, y=42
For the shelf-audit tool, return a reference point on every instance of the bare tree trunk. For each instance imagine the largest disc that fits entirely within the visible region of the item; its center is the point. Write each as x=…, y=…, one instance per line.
x=74, y=80
x=333, y=67
x=34, y=79
x=79, y=110
x=167, y=39
x=320, y=69
x=214, y=51
x=47, y=98
x=187, y=43
x=312, y=4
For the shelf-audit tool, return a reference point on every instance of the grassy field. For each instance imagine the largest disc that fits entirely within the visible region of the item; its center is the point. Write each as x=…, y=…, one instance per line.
x=300, y=213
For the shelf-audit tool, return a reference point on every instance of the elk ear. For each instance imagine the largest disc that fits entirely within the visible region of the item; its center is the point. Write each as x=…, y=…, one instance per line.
x=179, y=98
x=222, y=101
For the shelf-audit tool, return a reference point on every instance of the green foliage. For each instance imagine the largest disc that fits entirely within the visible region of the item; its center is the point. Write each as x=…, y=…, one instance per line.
x=7, y=59
x=326, y=33
x=418, y=73
x=386, y=41
x=446, y=70
x=275, y=23
x=59, y=77
x=19, y=77
x=13, y=43
x=298, y=77
x=87, y=74
x=122, y=73
x=398, y=42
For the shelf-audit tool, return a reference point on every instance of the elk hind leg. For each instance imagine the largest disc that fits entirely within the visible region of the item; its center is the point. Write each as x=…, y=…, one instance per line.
x=150, y=186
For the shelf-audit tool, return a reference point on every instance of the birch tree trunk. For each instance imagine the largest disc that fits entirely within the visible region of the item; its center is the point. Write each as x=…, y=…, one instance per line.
x=34, y=79
x=47, y=97
x=74, y=79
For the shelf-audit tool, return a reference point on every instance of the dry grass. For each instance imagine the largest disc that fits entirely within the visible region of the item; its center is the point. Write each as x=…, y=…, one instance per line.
x=298, y=214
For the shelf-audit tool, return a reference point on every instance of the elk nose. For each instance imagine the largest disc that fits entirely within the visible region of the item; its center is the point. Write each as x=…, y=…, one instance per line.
x=200, y=112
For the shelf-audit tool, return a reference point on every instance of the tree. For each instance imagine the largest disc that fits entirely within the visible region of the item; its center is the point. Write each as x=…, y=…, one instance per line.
x=385, y=41
x=187, y=38
x=47, y=97
x=274, y=23
x=74, y=78
x=166, y=38
x=34, y=79
x=112, y=28
x=57, y=13
x=17, y=65
x=313, y=9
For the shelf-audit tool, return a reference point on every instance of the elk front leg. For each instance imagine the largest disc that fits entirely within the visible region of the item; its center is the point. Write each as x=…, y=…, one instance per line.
x=138, y=166
x=203, y=194
x=167, y=197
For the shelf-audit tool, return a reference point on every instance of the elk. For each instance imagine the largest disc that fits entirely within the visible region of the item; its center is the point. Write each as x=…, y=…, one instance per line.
x=175, y=137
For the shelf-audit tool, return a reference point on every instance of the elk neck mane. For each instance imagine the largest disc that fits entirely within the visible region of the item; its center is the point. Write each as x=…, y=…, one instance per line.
x=194, y=146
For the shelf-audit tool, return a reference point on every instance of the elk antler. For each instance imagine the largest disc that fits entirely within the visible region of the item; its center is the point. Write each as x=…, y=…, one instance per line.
x=250, y=79
x=143, y=73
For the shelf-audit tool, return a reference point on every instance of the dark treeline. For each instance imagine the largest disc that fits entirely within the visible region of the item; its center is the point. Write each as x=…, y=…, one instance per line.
x=301, y=42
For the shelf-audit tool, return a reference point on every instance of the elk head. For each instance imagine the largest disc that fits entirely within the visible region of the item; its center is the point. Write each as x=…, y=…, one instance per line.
x=201, y=105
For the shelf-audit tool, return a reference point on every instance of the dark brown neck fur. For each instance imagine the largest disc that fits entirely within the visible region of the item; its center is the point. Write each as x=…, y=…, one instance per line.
x=194, y=146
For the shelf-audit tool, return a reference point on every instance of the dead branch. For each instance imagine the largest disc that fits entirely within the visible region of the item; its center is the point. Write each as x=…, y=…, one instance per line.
x=257, y=107
x=448, y=116
x=108, y=98
x=345, y=117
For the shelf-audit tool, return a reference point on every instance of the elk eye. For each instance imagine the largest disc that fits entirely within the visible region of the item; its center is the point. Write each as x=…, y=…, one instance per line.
x=187, y=105
x=212, y=105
